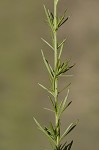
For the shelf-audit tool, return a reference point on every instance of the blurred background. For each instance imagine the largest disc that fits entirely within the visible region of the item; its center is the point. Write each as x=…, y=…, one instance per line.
x=22, y=24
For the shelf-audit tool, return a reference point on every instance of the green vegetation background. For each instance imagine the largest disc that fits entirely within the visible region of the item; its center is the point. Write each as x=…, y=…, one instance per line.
x=22, y=24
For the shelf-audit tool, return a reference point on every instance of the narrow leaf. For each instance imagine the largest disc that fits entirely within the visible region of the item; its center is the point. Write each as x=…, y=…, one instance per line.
x=52, y=71
x=51, y=101
x=62, y=18
x=64, y=69
x=62, y=43
x=48, y=44
x=69, y=129
x=48, y=132
x=46, y=64
x=60, y=52
x=62, y=146
x=44, y=131
x=52, y=15
x=49, y=109
x=63, y=22
x=65, y=87
x=66, y=75
x=66, y=147
x=53, y=131
x=67, y=106
x=70, y=145
x=62, y=104
x=48, y=18
x=52, y=128
x=65, y=100
x=45, y=89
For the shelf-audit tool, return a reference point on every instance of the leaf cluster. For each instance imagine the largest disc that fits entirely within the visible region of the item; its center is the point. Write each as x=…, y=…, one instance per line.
x=65, y=146
x=51, y=133
x=50, y=19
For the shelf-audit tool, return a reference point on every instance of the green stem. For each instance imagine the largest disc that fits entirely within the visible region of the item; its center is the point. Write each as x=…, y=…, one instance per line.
x=55, y=34
x=55, y=67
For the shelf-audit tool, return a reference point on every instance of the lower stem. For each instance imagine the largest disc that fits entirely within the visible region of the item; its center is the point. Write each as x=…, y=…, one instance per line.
x=58, y=131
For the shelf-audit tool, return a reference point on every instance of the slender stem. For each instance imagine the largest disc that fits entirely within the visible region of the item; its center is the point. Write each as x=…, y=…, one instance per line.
x=55, y=67
x=55, y=34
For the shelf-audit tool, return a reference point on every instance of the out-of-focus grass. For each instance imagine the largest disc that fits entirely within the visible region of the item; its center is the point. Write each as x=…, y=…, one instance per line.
x=21, y=67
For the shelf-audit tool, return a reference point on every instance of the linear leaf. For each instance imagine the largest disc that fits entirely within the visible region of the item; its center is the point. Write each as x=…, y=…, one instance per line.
x=66, y=75
x=70, y=145
x=68, y=68
x=69, y=129
x=46, y=64
x=63, y=22
x=60, y=52
x=66, y=146
x=52, y=128
x=45, y=89
x=65, y=87
x=48, y=132
x=51, y=17
x=52, y=71
x=62, y=146
x=62, y=43
x=67, y=106
x=48, y=44
x=49, y=109
x=58, y=66
x=65, y=100
x=64, y=68
x=62, y=19
x=62, y=105
x=53, y=131
x=40, y=127
x=48, y=18
x=51, y=101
